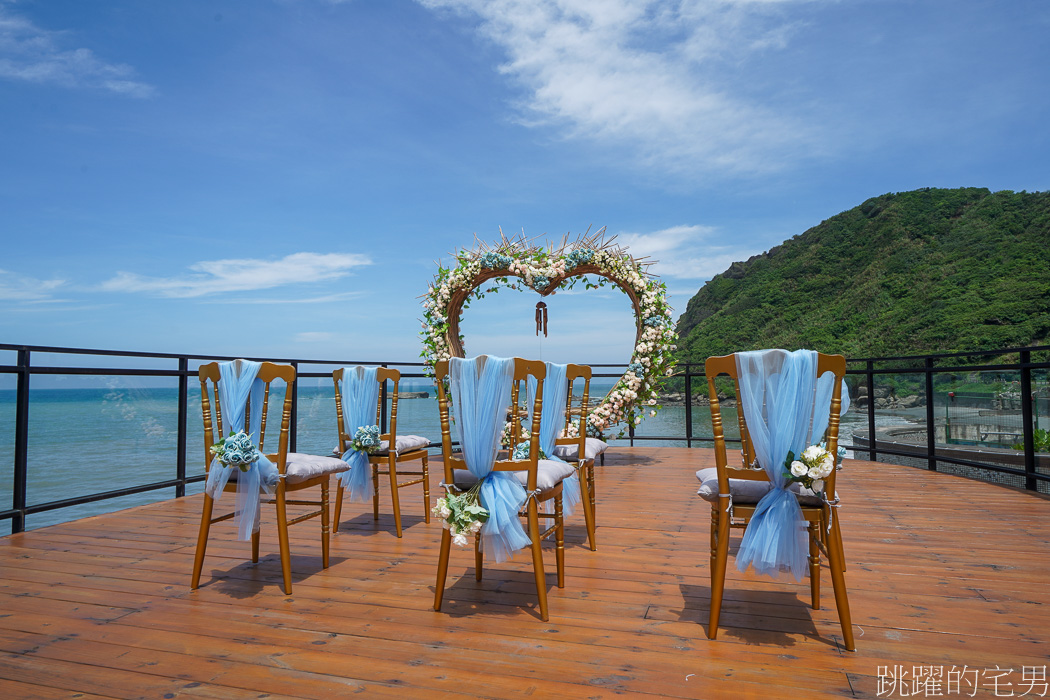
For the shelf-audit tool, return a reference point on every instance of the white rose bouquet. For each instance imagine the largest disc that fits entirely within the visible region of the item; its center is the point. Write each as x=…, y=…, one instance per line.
x=811, y=468
x=236, y=450
x=572, y=429
x=462, y=515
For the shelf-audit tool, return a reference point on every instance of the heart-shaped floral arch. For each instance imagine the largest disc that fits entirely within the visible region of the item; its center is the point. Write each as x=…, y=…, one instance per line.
x=546, y=270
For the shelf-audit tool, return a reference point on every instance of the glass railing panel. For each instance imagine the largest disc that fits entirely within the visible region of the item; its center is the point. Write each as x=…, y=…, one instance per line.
x=897, y=398
x=1041, y=421
x=90, y=434
x=977, y=417
x=8, y=387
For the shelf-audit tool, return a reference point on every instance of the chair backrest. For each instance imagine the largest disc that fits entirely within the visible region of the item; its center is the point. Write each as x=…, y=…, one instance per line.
x=726, y=365
x=572, y=373
x=383, y=375
x=523, y=369
x=216, y=428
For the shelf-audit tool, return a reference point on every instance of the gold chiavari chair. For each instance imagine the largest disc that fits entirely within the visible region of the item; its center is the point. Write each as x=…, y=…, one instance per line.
x=297, y=471
x=397, y=449
x=542, y=479
x=735, y=491
x=581, y=450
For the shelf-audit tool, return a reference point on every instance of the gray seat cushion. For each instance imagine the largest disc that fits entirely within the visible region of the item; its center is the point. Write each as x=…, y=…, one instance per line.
x=548, y=473
x=303, y=467
x=403, y=444
x=591, y=449
x=747, y=492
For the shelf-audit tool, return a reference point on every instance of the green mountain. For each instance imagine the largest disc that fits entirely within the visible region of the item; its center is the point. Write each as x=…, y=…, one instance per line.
x=928, y=271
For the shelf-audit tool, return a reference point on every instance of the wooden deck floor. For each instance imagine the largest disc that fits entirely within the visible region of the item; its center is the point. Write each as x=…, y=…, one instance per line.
x=943, y=572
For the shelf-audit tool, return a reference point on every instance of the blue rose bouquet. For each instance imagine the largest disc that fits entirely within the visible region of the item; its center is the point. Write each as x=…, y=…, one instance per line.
x=583, y=256
x=495, y=261
x=236, y=450
x=366, y=439
x=521, y=451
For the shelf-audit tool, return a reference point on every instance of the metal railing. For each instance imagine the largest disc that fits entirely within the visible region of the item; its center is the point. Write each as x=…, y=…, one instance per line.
x=862, y=372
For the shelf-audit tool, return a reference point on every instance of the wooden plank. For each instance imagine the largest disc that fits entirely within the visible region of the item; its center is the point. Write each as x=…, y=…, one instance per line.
x=942, y=571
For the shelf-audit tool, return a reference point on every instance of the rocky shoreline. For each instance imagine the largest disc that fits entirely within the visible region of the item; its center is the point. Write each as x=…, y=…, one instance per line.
x=885, y=397
x=677, y=398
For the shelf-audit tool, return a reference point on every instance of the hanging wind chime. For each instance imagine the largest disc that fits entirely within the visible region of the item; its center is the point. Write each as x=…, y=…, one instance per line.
x=541, y=318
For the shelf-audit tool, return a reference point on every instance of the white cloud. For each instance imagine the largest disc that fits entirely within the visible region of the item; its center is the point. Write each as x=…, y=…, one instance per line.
x=270, y=301
x=15, y=287
x=685, y=252
x=223, y=276
x=654, y=75
x=32, y=54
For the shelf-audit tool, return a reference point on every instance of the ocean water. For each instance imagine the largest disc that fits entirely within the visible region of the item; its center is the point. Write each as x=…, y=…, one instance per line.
x=91, y=440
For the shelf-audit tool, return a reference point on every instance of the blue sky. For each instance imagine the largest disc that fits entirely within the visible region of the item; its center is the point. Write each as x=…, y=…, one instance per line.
x=278, y=178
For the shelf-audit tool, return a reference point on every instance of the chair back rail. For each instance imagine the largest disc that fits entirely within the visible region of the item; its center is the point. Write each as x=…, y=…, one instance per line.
x=383, y=374
x=572, y=373
x=726, y=365
x=269, y=372
x=523, y=369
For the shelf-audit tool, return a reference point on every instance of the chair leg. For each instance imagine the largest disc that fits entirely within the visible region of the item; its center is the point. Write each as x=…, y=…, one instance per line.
x=537, y=558
x=439, y=586
x=202, y=542
x=586, y=479
x=256, y=536
x=719, y=557
x=814, y=564
x=282, y=538
x=375, y=491
x=426, y=489
x=325, y=536
x=479, y=558
x=338, y=505
x=835, y=540
x=395, y=501
x=838, y=582
x=590, y=485
x=828, y=538
x=559, y=539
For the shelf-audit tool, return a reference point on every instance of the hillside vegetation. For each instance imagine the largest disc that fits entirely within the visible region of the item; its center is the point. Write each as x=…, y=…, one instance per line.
x=928, y=271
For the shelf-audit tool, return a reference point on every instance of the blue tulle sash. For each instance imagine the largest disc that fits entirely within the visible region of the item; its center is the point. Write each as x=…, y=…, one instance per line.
x=236, y=390
x=481, y=389
x=359, y=389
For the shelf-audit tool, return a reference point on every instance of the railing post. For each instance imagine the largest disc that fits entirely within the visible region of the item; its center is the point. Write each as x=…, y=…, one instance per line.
x=688, y=406
x=931, y=434
x=180, y=449
x=21, y=472
x=873, y=452
x=294, y=429
x=1027, y=429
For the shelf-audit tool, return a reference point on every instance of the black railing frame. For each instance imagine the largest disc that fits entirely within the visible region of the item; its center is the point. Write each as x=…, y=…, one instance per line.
x=23, y=369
